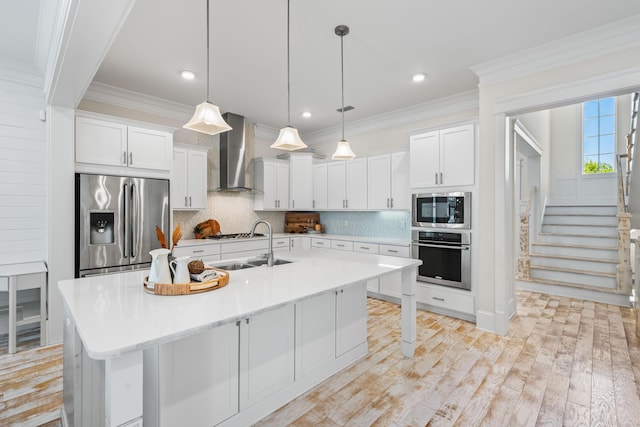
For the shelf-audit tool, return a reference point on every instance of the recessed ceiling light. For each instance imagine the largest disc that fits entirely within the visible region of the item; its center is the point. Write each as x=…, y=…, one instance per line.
x=419, y=77
x=187, y=75
x=306, y=114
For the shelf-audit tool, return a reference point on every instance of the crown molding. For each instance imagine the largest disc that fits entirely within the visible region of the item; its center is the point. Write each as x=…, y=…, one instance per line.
x=107, y=94
x=449, y=105
x=20, y=72
x=609, y=38
x=263, y=131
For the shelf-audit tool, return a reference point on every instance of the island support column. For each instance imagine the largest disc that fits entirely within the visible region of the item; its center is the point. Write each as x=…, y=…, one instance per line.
x=408, y=322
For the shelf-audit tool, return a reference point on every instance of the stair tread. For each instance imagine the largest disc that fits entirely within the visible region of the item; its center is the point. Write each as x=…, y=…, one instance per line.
x=582, y=225
x=582, y=206
x=574, y=258
x=580, y=214
x=573, y=270
x=570, y=284
x=546, y=233
x=569, y=245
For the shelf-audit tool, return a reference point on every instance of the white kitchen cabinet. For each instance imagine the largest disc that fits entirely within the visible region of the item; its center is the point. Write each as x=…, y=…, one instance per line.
x=209, y=252
x=315, y=333
x=189, y=178
x=347, y=184
x=272, y=184
x=317, y=242
x=443, y=158
x=351, y=317
x=300, y=242
x=320, y=191
x=342, y=245
x=108, y=143
x=266, y=354
x=388, y=181
x=196, y=379
x=243, y=249
x=281, y=244
x=446, y=298
x=301, y=181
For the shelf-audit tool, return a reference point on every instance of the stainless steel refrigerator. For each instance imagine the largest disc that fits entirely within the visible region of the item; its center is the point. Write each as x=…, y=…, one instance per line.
x=116, y=219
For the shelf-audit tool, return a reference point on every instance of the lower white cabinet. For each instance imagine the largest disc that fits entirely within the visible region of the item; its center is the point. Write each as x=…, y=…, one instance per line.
x=266, y=354
x=204, y=252
x=281, y=244
x=195, y=380
x=351, y=317
x=243, y=249
x=315, y=333
x=447, y=298
x=300, y=242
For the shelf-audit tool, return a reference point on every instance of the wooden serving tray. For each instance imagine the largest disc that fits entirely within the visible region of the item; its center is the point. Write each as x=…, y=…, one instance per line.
x=188, y=288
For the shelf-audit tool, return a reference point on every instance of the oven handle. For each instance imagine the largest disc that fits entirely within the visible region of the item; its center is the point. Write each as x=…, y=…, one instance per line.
x=426, y=245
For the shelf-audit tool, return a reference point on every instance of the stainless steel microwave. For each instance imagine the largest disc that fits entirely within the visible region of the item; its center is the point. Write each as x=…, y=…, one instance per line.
x=441, y=210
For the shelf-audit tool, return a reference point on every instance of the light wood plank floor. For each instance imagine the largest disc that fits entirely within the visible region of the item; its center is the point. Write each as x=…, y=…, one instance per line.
x=564, y=362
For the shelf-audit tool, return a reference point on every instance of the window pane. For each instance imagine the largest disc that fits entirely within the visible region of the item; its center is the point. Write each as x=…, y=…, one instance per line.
x=591, y=146
x=607, y=144
x=591, y=109
x=607, y=160
x=607, y=106
x=591, y=127
x=607, y=125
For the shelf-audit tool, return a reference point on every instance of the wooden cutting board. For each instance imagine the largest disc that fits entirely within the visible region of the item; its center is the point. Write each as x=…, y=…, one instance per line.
x=298, y=222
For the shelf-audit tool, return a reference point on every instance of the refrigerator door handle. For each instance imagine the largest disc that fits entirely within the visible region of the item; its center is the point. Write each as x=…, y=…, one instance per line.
x=125, y=252
x=135, y=200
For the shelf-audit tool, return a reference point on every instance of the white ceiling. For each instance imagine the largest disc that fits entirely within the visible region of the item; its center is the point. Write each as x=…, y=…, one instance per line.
x=388, y=42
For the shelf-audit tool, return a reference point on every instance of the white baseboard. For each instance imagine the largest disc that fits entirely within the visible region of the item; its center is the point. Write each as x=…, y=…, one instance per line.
x=585, y=294
x=486, y=321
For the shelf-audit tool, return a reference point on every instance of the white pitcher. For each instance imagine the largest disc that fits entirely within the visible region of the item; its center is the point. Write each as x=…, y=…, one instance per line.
x=159, y=272
x=181, y=271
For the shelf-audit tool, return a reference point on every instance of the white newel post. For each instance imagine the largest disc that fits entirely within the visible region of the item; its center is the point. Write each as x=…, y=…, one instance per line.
x=623, y=270
x=408, y=321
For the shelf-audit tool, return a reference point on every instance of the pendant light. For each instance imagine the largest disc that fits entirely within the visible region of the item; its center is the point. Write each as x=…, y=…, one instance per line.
x=288, y=139
x=207, y=118
x=343, y=150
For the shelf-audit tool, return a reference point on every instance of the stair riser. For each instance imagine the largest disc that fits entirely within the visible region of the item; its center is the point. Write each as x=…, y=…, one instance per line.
x=598, y=210
x=576, y=252
x=584, y=279
x=600, y=267
x=580, y=229
x=579, y=240
x=594, y=220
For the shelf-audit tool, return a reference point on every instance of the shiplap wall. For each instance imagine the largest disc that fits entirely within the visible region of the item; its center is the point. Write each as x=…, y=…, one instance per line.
x=23, y=174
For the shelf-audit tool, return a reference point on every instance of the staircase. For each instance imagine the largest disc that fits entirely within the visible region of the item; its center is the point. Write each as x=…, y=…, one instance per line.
x=577, y=247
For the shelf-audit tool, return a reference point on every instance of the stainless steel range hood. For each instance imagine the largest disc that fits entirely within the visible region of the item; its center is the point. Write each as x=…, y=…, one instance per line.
x=232, y=150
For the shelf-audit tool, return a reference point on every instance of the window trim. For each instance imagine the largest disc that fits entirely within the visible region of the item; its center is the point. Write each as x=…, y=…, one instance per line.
x=615, y=133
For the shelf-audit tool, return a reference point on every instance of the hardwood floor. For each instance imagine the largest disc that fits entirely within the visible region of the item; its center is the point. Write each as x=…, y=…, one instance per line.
x=564, y=362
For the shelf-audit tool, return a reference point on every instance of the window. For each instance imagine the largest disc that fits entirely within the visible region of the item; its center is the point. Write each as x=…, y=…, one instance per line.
x=599, y=136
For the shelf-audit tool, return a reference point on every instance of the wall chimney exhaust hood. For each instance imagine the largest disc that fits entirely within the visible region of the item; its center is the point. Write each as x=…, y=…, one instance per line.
x=232, y=150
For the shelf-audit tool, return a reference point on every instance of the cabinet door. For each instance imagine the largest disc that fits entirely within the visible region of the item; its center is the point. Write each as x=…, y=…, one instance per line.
x=336, y=185
x=266, y=354
x=351, y=317
x=282, y=185
x=379, y=182
x=425, y=159
x=457, y=155
x=179, y=190
x=149, y=149
x=197, y=179
x=101, y=142
x=266, y=182
x=300, y=242
x=198, y=378
x=315, y=333
x=357, y=184
x=400, y=186
x=320, y=186
x=300, y=182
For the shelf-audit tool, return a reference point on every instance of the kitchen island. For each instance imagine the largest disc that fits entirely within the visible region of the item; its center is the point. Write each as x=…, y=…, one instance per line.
x=261, y=340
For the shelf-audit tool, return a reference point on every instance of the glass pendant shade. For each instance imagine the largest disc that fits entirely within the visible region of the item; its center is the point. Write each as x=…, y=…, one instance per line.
x=343, y=151
x=288, y=139
x=207, y=119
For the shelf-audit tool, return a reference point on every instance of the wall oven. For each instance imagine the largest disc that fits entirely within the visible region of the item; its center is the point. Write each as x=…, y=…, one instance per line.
x=446, y=257
x=442, y=210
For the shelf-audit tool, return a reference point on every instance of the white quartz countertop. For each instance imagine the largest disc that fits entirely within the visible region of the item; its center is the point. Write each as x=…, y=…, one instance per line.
x=359, y=239
x=114, y=315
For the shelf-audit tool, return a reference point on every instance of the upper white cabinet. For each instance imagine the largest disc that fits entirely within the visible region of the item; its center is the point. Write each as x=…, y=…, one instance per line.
x=320, y=186
x=443, y=158
x=272, y=183
x=301, y=181
x=189, y=178
x=388, y=181
x=347, y=184
x=107, y=143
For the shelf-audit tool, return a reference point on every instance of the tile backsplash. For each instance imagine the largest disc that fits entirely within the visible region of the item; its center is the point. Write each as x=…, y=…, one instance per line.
x=391, y=224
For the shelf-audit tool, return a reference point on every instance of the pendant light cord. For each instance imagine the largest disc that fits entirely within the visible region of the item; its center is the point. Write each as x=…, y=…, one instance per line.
x=288, y=72
x=207, y=89
x=342, y=78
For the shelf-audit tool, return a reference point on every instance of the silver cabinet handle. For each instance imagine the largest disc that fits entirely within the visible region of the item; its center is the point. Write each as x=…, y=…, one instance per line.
x=392, y=203
x=393, y=251
x=340, y=245
x=198, y=251
x=438, y=299
x=124, y=157
x=293, y=204
x=365, y=247
x=130, y=157
x=313, y=204
x=275, y=203
x=347, y=201
x=436, y=178
x=388, y=203
x=441, y=182
x=189, y=201
x=185, y=201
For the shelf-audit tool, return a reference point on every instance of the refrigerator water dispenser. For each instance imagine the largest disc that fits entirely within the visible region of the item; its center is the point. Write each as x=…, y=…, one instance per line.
x=102, y=225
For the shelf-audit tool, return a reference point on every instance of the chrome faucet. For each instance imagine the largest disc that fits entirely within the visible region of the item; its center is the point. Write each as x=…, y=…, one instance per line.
x=270, y=254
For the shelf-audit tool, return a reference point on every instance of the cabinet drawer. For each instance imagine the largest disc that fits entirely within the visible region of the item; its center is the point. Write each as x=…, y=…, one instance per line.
x=198, y=251
x=370, y=248
x=244, y=246
x=281, y=243
x=392, y=250
x=320, y=243
x=342, y=245
x=445, y=299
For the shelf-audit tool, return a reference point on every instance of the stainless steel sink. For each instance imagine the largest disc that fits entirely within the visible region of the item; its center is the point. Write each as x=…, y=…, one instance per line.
x=235, y=266
x=258, y=262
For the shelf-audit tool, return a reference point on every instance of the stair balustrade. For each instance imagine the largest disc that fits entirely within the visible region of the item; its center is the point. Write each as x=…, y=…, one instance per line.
x=524, y=260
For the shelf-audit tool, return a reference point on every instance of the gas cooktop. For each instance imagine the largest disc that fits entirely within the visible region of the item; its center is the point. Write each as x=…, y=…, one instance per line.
x=234, y=236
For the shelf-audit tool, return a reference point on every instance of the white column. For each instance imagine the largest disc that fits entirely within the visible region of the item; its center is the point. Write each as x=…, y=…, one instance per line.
x=408, y=322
